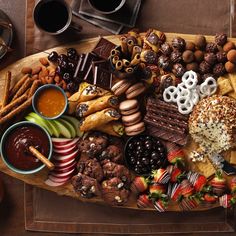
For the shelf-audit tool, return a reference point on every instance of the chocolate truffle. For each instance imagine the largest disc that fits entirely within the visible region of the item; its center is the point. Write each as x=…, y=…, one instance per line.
x=221, y=57
x=176, y=56
x=221, y=39
x=178, y=70
x=219, y=69
x=166, y=49
x=206, y=76
x=230, y=67
x=204, y=68
x=210, y=58
x=163, y=62
x=153, y=39
x=192, y=66
x=231, y=55
x=178, y=43
x=228, y=46
x=211, y=47
x=190, y=46
x=200, y=41
x=188, y=56
x=199, y=55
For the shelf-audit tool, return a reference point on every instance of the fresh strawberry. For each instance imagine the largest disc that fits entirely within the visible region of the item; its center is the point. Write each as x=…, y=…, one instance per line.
x=144, y=201
x=139, y=185
x=199, y=183
x=156, y=190
x=176, y=157
x=161, y=204
x=227, y=200
x=186, y=188
x=218, y=184
x=210, y=198
x=160, y=176
x=176, y=175
x=233, y=185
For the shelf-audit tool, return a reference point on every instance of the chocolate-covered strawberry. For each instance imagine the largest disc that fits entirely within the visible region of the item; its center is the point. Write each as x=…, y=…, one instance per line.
x=233, y=185
x=176, y=157
x=187, y=188
x=218, y=184
x=160, y=176
x=156, y=190
x=210, y=198
x=161, y=204
x=174, y=192
x=188, y=204
x=176, y=175
x=144, y=201
x=227, y=200
x=139, y=185
x=197, y=180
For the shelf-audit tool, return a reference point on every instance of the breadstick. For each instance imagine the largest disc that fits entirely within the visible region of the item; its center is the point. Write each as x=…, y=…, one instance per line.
x=6, y=89
x=16, y=111
x=33, y=88
x=18, y=85
x=13, y=104
x=119, y=65
x=23, y=88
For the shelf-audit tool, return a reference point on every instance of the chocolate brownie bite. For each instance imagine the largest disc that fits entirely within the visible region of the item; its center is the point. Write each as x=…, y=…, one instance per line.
x=113, y=152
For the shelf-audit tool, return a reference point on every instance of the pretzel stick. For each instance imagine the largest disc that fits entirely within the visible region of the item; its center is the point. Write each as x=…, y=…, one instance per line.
x=16, y=111
x=23, y=88
x=18, y=85
x=13, y=104
x=6, y=89
x=33, y=88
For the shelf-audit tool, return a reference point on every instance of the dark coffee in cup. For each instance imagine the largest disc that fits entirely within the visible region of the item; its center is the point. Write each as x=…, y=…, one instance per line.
x=107, y=6
x=52, y=16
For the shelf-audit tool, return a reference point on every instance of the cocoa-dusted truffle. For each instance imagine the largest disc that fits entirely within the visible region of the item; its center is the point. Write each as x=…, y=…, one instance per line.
x=219, y=69
x=230, y=67
x=204, y=68
x=221, y=57
x=188, y=56
x=163, y=62
x=176, y=56
x=200, y=41
x=192, y=66
x=210, y=58
x=199, y=55
x=231, y=55
x=220, y=39
x=166, y=49
x=211, y=47
x=228, y=46
x=190, y=46
x=178, y=70
x=178, y=43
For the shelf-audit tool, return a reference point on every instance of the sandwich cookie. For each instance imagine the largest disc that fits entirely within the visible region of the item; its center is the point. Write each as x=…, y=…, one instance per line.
x=135, y=90
x=120, y=87
x=129, y=107
x=135, y=129
x=132, y=119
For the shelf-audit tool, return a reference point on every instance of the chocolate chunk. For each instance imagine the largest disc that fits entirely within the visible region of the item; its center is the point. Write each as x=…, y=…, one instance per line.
x=103, y=48
x=210, y=58
x=164, y=62
x=178, y=43
x=221, y=39
x=221, y=57
x=166, y=49
x=211, y=47
x=176, y=56
x=178, y=70
x=219, y=69
x=204, y=68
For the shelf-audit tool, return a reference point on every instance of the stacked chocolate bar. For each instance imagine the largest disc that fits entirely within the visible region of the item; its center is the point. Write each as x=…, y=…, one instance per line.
x=164, y=121
x=93, y=67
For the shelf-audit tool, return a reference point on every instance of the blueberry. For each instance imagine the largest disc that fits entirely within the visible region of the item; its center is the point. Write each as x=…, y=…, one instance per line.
x=132, y=160
x=131, y=146
x=155, y=155
x=63, y=64
x=53, y=56
x=71, y=66
x=66, y=77
x=71, y=53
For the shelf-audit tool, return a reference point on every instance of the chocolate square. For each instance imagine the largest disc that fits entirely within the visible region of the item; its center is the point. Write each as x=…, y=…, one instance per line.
x=102, y=78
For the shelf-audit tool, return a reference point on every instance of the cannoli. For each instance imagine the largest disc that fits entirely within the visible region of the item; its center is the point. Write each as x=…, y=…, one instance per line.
x=86, y=108
x=23, y=88
x=99, y=118
x=6, y=89
x=114, y=128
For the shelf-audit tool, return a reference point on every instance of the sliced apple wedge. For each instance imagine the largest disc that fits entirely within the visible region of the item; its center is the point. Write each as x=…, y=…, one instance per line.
x=75, y=122
x=55, y=131
x=64, y=131
x=69, y=126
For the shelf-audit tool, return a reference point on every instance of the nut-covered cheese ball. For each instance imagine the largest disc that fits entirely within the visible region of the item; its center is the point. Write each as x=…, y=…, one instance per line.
x=212, y=123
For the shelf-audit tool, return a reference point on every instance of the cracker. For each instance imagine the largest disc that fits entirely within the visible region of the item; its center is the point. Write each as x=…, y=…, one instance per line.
x=205, y=168
x=233, y=157
x=232, y=95
x=232, y=78
x=224, y=86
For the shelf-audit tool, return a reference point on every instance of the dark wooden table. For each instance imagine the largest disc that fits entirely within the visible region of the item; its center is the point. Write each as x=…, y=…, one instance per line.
x=12, y=207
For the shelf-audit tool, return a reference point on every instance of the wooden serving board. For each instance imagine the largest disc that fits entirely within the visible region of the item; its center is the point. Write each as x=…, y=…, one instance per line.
x=39, y=178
